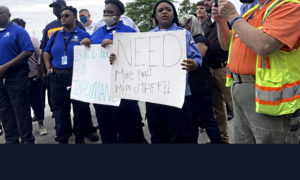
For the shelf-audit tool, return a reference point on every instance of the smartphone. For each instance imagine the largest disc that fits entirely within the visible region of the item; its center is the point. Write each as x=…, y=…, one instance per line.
x=216, y=3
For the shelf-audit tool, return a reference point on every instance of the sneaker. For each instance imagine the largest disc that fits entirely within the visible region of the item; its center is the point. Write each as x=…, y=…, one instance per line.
x=42, y=130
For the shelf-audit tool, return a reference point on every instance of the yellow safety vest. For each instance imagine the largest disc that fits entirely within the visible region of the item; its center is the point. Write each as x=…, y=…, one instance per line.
x=277, y=76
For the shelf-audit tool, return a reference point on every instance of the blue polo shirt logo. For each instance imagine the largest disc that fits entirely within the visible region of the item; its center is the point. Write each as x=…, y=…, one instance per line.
x=75, y=39
x=7, y=34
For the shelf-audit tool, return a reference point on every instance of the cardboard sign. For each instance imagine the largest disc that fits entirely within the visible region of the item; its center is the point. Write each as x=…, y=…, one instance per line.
x=91, y=75
x=148, y=67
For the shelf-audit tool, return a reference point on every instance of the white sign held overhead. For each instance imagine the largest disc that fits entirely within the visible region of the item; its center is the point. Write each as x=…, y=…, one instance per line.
x=92, y=75
x=148, y=67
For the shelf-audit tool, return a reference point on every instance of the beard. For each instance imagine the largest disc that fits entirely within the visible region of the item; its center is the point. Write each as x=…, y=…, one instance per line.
x=247, y=1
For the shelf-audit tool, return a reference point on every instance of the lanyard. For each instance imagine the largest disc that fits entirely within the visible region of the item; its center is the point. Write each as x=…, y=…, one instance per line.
x=252, y=15
x=66, y=42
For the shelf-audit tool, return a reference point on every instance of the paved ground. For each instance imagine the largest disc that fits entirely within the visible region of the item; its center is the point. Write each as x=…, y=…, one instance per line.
x=49, y=124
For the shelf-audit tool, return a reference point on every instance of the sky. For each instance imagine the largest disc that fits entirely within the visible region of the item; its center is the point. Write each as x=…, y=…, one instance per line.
x=38, y=14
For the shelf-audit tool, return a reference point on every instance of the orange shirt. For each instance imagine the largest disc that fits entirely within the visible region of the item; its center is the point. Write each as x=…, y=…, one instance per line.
x=283, y=23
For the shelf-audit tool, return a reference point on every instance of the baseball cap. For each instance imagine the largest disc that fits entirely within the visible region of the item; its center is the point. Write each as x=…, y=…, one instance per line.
x=58, y=2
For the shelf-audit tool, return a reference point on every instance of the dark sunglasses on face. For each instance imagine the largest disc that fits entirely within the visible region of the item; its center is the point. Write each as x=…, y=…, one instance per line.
x=65, y=16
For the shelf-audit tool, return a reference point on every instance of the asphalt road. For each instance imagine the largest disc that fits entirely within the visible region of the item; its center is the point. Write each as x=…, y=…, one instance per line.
x=49, y=124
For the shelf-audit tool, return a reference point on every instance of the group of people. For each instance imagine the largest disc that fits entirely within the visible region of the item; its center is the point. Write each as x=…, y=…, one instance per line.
x=255, y=54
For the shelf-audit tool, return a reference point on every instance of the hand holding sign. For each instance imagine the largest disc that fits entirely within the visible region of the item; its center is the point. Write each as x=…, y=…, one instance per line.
x=189, y=65
x=86, y=42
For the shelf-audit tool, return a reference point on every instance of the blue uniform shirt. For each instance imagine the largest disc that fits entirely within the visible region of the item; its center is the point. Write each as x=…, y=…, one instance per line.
x=52, y=28
x=13, y=40
x=245, y=7
x=105, y=33
x=192, y=50
x=58, y=45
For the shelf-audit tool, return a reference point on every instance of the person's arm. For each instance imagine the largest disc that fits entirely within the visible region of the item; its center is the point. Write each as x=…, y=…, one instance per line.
x=202, y=48
x=17, y=60
x=255, y=39
x=106, y=42
x=193, y=60
x=47, y=56
x=47, y=61
x=86, y=41
x=224, y=34
x=26, y=46
x=42, y=68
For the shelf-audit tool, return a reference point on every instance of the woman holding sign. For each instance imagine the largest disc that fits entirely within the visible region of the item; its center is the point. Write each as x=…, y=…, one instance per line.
x=121, y=124
x=170, y=124
x=59, y=59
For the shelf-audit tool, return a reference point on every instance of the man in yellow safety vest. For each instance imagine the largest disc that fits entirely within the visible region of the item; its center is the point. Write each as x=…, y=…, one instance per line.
x=264, y=57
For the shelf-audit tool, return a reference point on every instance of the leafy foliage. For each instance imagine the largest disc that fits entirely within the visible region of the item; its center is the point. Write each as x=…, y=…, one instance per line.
x=186, y=7
x=140, y=12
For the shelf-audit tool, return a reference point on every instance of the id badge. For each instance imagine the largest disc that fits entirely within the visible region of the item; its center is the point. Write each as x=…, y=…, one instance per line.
x=64, y=60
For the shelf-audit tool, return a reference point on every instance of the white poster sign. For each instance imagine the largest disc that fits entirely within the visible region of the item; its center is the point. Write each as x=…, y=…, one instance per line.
x=92, y=75
x=148, y=67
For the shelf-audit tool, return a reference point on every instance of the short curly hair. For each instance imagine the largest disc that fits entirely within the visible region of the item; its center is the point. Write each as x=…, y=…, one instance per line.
x=118, y=3
x=72, y=9
x=19, y=22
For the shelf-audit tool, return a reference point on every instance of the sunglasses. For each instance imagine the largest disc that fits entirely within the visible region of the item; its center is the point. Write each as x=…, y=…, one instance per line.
x=186, y=24
x=65, y=16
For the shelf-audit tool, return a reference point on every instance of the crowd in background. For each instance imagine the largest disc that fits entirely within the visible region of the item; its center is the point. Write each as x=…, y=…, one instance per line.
x=241, y=66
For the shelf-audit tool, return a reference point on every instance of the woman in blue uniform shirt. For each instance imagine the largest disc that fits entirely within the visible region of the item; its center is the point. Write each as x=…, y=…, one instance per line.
x=59, y=57
x=121, y=124
x=170, y=124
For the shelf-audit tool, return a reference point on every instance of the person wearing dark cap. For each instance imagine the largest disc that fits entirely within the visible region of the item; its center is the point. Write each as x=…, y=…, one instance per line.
x=121, y=124
x=50, y=29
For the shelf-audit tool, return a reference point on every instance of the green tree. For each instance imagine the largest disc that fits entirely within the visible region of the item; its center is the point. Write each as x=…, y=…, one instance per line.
x=140, y=12
x=186, y=7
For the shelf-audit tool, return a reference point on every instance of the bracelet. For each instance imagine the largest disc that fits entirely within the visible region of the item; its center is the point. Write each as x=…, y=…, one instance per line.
x=234, y=20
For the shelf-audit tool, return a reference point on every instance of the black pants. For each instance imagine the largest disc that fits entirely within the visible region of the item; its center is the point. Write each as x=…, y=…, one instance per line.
x=15, y=107
x=60, y=81
x=121, y=124
x=46, y=87
x=85, y=109
x=170, y=124
x=85, y=113
x=202, y=112
x=36, y=100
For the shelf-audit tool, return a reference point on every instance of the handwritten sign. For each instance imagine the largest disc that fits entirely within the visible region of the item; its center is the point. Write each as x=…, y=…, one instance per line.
x=148, y=67
x=91, y=75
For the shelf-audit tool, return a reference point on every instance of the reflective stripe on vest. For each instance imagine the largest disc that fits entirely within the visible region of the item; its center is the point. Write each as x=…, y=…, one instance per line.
x=278, y=78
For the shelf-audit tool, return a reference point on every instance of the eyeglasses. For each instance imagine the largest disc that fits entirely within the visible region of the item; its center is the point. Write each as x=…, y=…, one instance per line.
x=186, y=25
x=65, y=16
